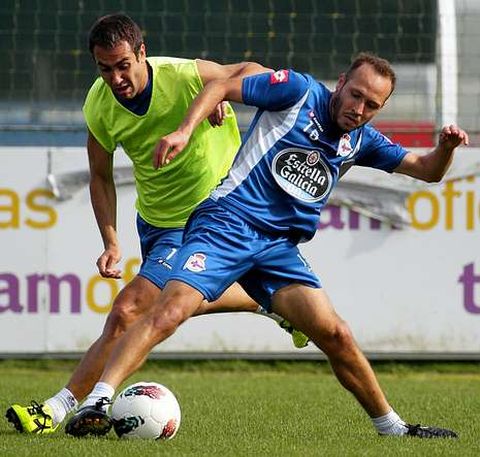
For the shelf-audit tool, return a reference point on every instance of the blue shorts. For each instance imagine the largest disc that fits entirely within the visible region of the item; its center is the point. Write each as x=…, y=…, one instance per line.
x=220, y=248
x=158, y=247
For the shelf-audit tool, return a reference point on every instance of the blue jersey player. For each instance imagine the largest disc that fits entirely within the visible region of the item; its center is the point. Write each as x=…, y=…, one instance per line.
x=301, y=141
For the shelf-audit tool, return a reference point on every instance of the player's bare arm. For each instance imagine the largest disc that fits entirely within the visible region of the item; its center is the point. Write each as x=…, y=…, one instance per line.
x=210, y=71
x=214, y=92
x=104, y=203
x=433, y=166
x=222, y=82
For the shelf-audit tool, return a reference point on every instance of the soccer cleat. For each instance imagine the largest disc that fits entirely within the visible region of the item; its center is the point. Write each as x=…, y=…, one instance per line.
x=300, y=340
x=34, y=418
x=90, y=420
x=421, y=431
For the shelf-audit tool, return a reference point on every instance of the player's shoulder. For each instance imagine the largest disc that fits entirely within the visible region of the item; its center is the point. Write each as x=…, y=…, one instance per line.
x=97, y=85
x=289, y=76
x=173, y=64
x=372, y=134
x=302, y=82
x=173, y=68
x=97, y=91
x=317, y=89
x=287, y=81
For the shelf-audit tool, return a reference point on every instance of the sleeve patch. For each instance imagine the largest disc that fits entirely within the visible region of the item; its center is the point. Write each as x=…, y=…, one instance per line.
x=280, y=76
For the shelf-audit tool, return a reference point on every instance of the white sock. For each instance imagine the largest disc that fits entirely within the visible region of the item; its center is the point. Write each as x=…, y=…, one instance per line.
x=265, y=313
x=390, y=424
x=101, y=390
x=61, y=404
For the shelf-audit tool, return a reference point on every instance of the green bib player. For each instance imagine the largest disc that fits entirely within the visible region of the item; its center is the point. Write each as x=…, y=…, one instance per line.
x=134, y=103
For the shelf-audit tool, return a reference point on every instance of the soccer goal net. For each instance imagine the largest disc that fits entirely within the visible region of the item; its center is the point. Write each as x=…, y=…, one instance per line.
x=46, y=67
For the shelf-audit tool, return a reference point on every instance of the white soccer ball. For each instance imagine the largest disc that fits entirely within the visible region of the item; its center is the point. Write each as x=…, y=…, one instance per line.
x=146, y=410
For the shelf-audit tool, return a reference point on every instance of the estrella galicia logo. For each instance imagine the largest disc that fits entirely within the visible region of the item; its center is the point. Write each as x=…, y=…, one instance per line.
x=302, y=174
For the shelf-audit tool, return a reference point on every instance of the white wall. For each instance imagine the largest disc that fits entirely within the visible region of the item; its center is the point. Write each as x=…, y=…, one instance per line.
x=402, y=291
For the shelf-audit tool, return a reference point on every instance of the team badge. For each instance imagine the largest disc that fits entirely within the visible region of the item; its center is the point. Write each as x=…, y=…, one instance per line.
x=196, y=263
x=344, y=146
x=280, y=76
x=303, y=174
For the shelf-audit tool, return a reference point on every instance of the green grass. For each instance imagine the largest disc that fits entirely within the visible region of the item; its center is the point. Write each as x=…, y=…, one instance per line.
x=265, y=409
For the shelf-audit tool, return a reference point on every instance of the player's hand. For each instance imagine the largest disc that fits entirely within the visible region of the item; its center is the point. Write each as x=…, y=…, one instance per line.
x=169, y=147
x=107, y=262
x=218, y=115
x=452, y=136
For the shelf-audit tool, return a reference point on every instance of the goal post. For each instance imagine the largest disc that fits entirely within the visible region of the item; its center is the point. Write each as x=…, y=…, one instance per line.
x=448, y=63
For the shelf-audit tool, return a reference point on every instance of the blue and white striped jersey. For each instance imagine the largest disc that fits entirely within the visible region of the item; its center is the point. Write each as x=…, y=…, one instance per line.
x=293, y=155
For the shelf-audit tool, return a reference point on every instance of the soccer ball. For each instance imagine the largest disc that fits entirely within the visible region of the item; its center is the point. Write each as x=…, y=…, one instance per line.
x=146, y=410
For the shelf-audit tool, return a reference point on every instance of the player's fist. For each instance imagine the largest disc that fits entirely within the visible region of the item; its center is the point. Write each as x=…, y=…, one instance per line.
x=169, y=147
x=107, y=262
x=218, y=115
x=452, y=136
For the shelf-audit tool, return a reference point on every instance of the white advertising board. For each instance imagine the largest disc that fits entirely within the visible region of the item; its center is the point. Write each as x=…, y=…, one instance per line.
x=403, y=291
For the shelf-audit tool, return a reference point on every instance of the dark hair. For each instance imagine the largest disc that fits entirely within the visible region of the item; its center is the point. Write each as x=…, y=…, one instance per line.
x=109, y=30
x=381, y=66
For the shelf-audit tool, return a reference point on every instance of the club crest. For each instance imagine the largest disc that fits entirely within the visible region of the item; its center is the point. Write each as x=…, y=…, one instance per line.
x=195, y=263
x=344, y=146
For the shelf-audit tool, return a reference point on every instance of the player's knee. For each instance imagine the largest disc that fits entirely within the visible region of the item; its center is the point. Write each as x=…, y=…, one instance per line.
x=344, y=335
x=122, y=315
x=338, y=338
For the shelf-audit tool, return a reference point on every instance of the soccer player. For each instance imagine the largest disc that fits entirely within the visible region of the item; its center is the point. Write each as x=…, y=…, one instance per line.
x=134, y=103
x=302, y=139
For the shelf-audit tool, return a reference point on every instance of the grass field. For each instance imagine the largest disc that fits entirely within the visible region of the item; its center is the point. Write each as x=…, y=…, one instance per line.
x=265, y=409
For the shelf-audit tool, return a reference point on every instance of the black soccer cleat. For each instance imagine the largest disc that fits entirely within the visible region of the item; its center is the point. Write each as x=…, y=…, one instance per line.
x=91, y=420
x=421, y=431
